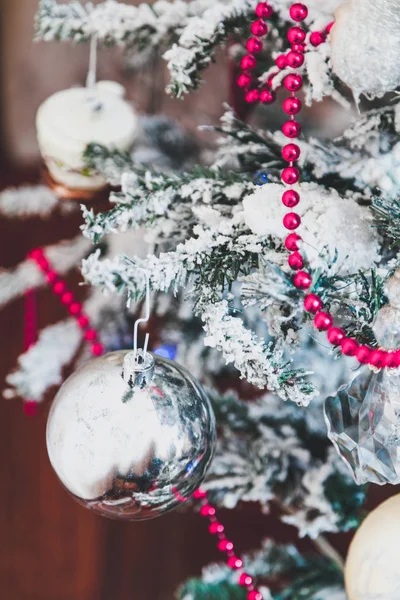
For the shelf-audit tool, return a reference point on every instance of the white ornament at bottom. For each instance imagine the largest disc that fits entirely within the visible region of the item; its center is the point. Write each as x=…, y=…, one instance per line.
x=372, y=569
x=131, y=441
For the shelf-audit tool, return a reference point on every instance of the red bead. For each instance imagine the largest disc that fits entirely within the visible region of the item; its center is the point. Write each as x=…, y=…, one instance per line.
x=317, y=38
x=207, y=510
x=252, y=96
x=302, y=280
x=363, y=353
x=349, y=346
x=51, y=276
x=75, y=308
x=295, y=59
x=244, y=80
x=248, y=62
x=295, y=261
x=391, y=360
x=291, y=129
x=90, y=335
x=291, y=242
x=259, y=28
x=67, y=298
x=293, y=82
x=296, y=35
x=31, y=408
x=225, y=545
x=376, y=358
x=234, y=562
x=97, y=349
x=59, y=287
x=336, y=335
x=290, y=198
x=312, y=303
x=36, y=254
x=43, y=263
x=83, y=321
x=329, y=27
x=290, y=175
x=292, y=106
x=254, y=45
x=264, y=10
x=298, y=11
x=290, y=153
x=323, y=321
x=216, y=528
x=254, y=595
x=291, y=220
x=245, y=579
x=200, y=494
x=281, y=61
x=271, y=78
x=266, y=97
x=301, y=47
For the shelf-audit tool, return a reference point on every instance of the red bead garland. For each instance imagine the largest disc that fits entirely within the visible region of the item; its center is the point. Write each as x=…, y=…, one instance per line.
x=290, y=175
x=67, y=298
x=224, y=545
x=294, y=59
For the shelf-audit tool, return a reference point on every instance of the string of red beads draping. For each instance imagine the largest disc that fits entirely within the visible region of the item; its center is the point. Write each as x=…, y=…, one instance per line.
x=293, y=81
x=67, y=298
x=225, y=546
x=293, y=58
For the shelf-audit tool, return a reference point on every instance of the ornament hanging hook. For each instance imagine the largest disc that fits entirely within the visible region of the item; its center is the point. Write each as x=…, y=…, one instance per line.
x=144, y=319
x=91, y=76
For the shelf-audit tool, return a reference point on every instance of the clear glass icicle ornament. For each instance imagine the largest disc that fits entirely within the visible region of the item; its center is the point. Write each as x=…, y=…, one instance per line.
x=363, y=419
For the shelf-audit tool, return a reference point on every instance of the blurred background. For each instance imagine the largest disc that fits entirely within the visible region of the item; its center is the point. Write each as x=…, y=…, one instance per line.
x=51, y=548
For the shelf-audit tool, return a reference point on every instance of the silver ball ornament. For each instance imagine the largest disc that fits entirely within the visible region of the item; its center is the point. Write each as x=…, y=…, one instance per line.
x=131, y=440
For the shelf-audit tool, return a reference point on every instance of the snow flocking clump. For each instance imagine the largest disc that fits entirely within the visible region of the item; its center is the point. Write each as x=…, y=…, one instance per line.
x=338, y=224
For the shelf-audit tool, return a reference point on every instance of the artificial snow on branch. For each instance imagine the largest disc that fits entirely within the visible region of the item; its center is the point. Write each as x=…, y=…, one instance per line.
x=261, y=364
x=15, y=282
x=27, y=201
x=192, y=31
x=292, y=576
x=265, y=454
x=168, y=205
x=40, y=367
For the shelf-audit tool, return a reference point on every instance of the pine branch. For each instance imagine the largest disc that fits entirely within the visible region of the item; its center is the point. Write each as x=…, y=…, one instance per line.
x=261, y=458
x=28, y=201
x=192, y=31
x=64, y=256
x=309, y=577
x=41, y=367
x=358, y=161
x=112, y=22
x=388, y=218
x=160, y=201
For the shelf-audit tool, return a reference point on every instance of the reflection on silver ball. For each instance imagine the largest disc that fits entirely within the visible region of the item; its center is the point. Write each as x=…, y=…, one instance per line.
x=126, y=452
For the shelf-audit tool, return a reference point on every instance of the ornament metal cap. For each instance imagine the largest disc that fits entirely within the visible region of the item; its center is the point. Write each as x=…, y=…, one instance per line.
x=138, y=369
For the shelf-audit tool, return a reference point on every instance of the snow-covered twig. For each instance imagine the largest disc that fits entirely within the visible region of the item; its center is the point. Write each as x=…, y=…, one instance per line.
x=40, y=367
x=27, y=201
x=64, y=256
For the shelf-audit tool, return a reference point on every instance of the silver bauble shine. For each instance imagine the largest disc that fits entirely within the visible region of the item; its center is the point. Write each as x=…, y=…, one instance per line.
x=130, y=451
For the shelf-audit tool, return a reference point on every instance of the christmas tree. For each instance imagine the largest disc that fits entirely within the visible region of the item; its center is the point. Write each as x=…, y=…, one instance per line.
x=270, y=321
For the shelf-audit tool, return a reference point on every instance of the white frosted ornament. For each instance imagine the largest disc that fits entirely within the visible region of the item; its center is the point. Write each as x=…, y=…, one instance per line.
x=365, y=46
x=131, y=441
x=71, y=119
x=372, y=570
